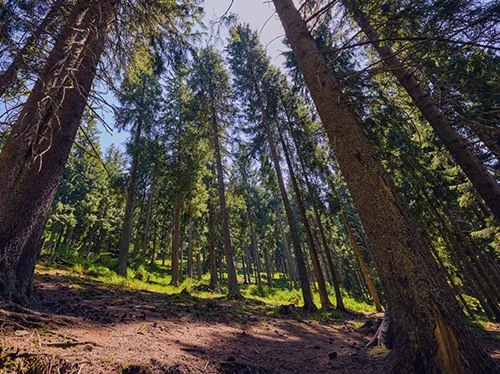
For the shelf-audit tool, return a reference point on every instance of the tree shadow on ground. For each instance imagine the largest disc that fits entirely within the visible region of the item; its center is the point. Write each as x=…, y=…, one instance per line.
x=109, y=328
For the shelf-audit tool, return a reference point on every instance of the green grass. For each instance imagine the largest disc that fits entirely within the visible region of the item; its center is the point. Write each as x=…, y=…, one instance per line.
x=156, y=278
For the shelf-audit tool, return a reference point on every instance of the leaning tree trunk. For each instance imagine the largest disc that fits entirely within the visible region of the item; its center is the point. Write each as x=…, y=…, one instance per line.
x=299, y=256
x=439, y=339
x=35, y=153
x=459, y=148
x=234, y=291
x=9, y=77
x=318, y=272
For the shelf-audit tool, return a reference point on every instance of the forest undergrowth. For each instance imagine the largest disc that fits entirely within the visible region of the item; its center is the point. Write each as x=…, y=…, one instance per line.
x=86, y=319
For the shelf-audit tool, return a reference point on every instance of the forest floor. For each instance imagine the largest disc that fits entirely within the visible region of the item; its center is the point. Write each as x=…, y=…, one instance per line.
x=86, y=326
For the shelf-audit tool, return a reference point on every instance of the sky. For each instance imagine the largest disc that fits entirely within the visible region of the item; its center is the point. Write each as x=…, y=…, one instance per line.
x=258, y=13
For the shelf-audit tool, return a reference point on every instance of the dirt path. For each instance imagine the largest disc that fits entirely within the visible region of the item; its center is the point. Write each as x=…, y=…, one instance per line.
x=83, y=326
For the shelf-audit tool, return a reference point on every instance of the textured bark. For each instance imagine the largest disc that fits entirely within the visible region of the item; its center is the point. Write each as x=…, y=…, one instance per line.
x=234, y=291
x=36, y=151
x=481, y=179
x=9, y=77
x=126, y=235
x=318, y=272
x=362, y=265
x=439, y=339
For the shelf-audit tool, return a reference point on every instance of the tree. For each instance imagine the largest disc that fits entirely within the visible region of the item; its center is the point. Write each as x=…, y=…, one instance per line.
x=249, y=65
x=211, y=83
x=43, y=135
x=481, y=179
x=409, y=273
x=140, y=107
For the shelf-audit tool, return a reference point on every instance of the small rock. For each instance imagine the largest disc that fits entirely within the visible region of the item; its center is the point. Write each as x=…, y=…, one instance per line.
x=332, y=355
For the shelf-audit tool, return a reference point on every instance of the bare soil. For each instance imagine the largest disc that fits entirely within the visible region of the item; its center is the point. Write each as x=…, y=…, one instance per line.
x=83, y=326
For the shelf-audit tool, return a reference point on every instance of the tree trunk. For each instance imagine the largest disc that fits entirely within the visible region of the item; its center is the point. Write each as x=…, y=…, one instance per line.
x=234, y=291
x=212, y=256
x=333, y=271
x=145, y=242
x=439, y=339
x=362, y=264
x=288, y=255
x=492, y=142
x=190, y=251
x=126, y=234
x=198, y=266
x=256, y=258
x=299, y=256
x=267, y=265
x=318, y=272
x=69, y=236
x=9, y=77
x=153, y=250
x=454, y=286
x=34, y=155
x=459, y=148
x=176, y=241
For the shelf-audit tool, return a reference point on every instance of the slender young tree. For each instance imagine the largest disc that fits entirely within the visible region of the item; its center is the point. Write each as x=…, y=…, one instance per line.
x=439, y=340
